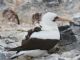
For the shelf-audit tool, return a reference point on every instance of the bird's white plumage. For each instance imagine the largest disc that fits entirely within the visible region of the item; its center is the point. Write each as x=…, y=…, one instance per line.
x=33, y=53
x=47, y=21
x=49, y=28
x=46, y=35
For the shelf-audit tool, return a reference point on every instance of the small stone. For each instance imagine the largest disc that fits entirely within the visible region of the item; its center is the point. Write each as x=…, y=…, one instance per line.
x=2, y=56
x=61, y=59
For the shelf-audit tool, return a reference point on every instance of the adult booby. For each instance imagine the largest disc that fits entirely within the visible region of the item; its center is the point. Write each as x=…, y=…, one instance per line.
x=44, y=37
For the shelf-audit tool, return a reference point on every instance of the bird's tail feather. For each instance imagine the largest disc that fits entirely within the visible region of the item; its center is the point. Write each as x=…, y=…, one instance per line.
x=16, y=56
x=16, y=49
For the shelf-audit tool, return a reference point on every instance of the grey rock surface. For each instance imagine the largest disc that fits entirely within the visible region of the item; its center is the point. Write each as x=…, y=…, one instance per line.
x=11, y=35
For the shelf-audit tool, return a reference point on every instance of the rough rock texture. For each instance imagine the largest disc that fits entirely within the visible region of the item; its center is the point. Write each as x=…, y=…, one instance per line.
x=10, y=37
x=11, y=34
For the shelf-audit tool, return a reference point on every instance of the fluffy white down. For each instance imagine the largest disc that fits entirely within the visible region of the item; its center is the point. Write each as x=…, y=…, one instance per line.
x=33, y=53
x=49, y=28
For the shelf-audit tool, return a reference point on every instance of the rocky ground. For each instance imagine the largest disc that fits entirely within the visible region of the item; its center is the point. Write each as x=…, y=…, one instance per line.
x=12, y=34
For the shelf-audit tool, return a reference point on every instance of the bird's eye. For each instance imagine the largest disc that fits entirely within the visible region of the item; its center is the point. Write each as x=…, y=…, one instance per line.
x=56, y=18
